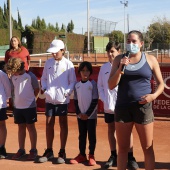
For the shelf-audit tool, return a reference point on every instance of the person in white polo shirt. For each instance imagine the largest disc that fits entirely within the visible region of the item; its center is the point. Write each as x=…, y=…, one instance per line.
x=109, y=97
x=57, y=81
x=25, y=89
x=5, y=93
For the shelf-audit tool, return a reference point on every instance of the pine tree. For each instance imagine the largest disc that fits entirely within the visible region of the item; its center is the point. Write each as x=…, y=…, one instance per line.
x=5, y=17
x=14, y=23
x=38, y=23
x=33, y=23
x=68, y=28
x=57, y=27
x=72, y=26
x=20, y=27
x=50, y=27
x=1, y=18
x=43, y=24
x=63, y=27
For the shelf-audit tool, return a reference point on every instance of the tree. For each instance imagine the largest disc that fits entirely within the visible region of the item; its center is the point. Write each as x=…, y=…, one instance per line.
x=158, y=32
x=43, y=24
x=50, y=27
x=5, y=17
x=38, y=23
x=15, y=24
x=20, y=27
x=1, y=18
x=63, y=28
x=33, y=24
x=116, y=36
x=57, y=27
x=70, y=27
x=6, y=12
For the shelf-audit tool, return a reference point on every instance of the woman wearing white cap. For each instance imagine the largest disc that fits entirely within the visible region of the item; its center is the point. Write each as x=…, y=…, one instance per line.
x=57, y=81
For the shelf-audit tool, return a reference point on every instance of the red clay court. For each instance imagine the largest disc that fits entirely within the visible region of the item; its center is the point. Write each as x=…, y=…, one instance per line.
x=102, y=153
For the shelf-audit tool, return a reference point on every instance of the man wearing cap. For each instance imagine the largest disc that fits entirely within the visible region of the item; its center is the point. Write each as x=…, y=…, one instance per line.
x=57, y=81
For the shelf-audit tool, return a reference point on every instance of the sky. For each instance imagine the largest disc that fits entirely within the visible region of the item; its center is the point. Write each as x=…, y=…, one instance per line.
x=141, y=13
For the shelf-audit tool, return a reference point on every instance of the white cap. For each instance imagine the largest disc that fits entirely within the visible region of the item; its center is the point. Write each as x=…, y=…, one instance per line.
x=55, y=46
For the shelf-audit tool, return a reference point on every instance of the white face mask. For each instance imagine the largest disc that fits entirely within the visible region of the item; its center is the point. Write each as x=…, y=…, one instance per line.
x=132, y=48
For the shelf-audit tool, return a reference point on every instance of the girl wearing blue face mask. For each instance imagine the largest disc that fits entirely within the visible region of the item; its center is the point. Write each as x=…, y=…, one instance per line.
x=134, y=98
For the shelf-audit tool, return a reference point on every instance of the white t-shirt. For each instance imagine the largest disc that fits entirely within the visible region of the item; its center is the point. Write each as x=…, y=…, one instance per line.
x=85, y=93
x=107, y=96
x=24, y=86
x=5, y=89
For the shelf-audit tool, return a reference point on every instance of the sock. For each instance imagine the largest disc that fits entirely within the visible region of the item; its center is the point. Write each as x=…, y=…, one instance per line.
x=82, y=154
x=1, y=146
x=62, y=150
x=130, y=155
x=114, y=153
x=49, y=149
x=91, y=153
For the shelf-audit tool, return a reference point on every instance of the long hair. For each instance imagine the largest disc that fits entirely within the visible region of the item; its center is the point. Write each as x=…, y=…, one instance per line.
x=19, y=43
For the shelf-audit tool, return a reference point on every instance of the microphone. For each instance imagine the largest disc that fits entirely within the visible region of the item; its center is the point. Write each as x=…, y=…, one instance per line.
x=123, y=66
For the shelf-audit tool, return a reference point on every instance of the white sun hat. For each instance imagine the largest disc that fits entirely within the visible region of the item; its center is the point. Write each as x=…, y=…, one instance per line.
x=55, y=46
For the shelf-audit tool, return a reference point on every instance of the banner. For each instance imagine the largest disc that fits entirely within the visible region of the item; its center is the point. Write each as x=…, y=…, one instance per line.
x=161, y=106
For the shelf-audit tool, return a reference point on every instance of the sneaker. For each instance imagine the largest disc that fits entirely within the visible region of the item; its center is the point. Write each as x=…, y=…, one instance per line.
x=132, y=164
x=61, y=158
x=92, y=161
x=48, y=154
x=78, y=159
x=3, y=154
x=112, y=161
x=19, y=154
x=33, y=154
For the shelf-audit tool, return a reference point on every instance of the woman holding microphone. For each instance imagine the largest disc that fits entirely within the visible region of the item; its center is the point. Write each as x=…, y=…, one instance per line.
x=134, y=98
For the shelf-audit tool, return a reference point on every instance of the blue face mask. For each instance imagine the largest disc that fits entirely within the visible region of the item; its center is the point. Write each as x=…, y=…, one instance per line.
x=132, y=48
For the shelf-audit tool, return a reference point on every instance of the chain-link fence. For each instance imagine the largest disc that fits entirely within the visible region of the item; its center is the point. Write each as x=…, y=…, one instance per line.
x=160, y=50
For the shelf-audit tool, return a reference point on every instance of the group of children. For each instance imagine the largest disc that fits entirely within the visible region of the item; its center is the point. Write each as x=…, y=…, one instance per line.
x=58, y=81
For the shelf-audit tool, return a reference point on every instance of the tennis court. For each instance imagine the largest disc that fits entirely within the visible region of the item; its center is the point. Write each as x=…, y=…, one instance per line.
x=102, y=153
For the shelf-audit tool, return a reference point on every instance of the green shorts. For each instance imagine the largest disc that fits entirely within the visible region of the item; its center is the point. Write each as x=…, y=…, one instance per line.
x=137, y=113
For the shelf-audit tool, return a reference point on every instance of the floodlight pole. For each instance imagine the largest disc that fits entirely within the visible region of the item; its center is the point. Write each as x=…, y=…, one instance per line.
x=125, y=5
x=88, y=33
x=10, y=23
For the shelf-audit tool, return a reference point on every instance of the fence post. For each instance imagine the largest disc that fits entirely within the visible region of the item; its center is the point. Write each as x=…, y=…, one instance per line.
x=95, y=57
x=40, y=62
